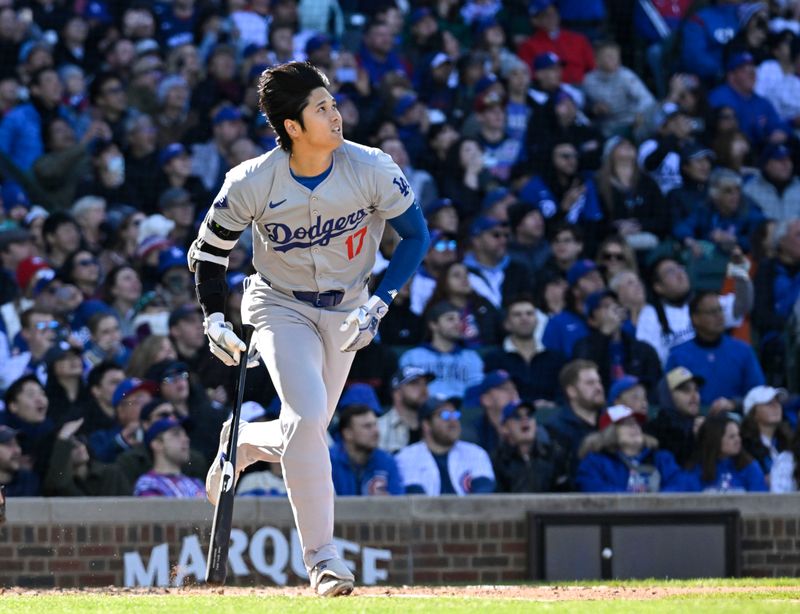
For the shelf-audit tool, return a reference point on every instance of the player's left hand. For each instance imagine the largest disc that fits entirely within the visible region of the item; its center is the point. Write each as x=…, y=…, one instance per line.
x=364, y=323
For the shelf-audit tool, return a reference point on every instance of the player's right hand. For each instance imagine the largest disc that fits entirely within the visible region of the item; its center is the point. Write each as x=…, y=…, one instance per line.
x=223, y=342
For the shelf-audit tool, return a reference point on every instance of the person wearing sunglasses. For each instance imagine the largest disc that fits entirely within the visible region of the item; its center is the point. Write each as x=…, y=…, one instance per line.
x=441, y=463
x=136, y=460
x=492, y=272
x=82, y=269
x=190, y=401
x=441, y=253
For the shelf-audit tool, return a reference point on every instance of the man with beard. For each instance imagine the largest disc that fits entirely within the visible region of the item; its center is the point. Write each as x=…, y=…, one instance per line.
x=441, y=464
x=400, y=426
x=679, y=419
x=169, y=444
x=668, y=324
x=580, y=380
x=359, y=467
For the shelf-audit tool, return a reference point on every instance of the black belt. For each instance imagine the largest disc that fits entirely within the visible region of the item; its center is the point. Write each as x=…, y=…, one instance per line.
x=331, y=298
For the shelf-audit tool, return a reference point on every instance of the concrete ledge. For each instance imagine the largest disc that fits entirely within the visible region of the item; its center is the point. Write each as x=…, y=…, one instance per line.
x=94, y=511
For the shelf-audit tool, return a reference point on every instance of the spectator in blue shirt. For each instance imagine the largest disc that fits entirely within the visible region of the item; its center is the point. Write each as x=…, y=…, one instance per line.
x=621, y=458
x=727, y=219
x=728, y=366
x=18, y=481
x=721, y=465
x=564, y=330
x=359, y=466
x=22, y=129
x=704, y=37
x=758, y=119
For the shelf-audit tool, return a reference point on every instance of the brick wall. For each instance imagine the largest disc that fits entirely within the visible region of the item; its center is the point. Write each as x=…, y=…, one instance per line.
x=69, y=542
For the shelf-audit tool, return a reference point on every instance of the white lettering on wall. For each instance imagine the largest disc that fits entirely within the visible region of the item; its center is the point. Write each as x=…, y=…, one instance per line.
x=287, y=555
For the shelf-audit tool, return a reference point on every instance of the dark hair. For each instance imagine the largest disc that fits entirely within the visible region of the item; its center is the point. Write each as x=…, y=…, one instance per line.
x=98, y=317
x=575, y=231
x=698, y=298
x=25, y=317
x=55, y=220
x=65, y=273
x=794, y=448
x=519, y=298
x=350, y=412
x=569, y=374
x=751, y=436
x=15, y=389
x=36, y=77
x=96, y=86
x=99, y=371
x=111, y=280
x=283, y=94
x=440, y=292
x=709, y=445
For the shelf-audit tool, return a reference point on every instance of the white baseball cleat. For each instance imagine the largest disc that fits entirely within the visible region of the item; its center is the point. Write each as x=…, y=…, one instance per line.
x=332, y=578
x=215, y=472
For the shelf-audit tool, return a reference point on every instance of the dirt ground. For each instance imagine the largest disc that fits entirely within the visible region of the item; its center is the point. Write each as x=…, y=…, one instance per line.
x=533, y=593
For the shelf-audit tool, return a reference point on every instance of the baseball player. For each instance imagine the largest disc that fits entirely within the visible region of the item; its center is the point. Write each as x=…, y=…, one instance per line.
x=317, y=205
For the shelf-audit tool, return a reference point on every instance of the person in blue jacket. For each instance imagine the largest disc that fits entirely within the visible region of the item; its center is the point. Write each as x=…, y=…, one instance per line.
x=621, y=458
x=704, y=37
x=758, y=119
x=721, y=464
x=729, y=367
x=727, y=219
x=359, y=467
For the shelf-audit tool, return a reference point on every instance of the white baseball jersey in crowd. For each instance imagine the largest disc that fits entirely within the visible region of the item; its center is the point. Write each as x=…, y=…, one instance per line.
x=304, y=241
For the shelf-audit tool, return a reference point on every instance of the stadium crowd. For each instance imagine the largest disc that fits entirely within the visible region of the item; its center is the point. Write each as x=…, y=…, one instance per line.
x=609, y=302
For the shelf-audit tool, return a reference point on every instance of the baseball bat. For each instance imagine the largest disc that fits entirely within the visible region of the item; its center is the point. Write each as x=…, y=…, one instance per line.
x=217, y=567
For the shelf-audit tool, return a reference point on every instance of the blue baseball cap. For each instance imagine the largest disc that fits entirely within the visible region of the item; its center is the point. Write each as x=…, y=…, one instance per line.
x=404, y=103
x=511, y=409
x=774, y=152
x=128, y=386
x=594, y=299
x=14, y=196
x=494, y=196
x=360, y=394
x=579, y=269
x=419, y=14
x=546, y=60
x=438, y=205
x=174, y=256
x=537, y=6
x=409, y=373
x=171, y=151
x=316, y=42
x=162, y=426
x=7, y=433
x=227, y=113
x=484, y=83
x=621, y=386
x=492, y=379
x=482, y=224
x=434, y=403
x=738, y=60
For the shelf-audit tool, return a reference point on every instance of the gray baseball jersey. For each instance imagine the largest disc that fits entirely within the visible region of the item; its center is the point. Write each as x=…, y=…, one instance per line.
x=311, y=241
x=303, y=240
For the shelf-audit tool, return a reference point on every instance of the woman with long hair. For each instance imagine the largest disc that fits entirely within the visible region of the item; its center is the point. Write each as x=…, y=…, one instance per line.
x=82, y=269
x=621, y=458
x=764, y=433
x=122, y=289
x=721, y=464
x=481, y=322
x=121, y=246
x=152, y=350
x=614, y=256
x=631, y=198
x=467, y=179
x=785, y=475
